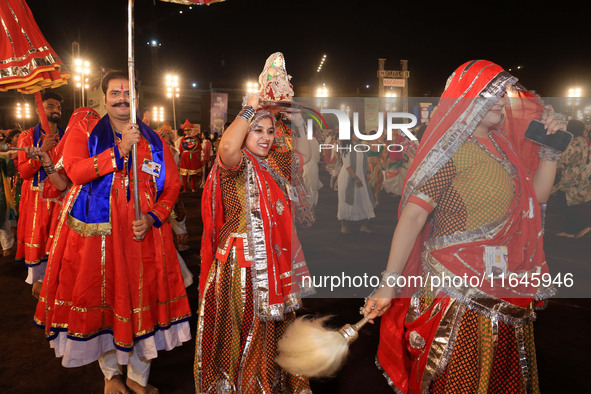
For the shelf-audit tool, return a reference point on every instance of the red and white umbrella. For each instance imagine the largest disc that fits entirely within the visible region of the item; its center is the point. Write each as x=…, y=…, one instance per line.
x=27, y=62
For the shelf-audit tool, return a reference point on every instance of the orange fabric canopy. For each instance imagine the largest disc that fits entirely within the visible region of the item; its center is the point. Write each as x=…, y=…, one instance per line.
x=27, y=61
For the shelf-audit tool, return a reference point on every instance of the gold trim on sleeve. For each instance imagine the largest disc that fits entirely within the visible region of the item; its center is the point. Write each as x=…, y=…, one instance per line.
x=96, y=166
x=115, y=168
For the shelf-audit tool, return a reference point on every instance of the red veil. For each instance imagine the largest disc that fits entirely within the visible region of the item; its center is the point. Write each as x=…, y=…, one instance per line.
x=470, y=92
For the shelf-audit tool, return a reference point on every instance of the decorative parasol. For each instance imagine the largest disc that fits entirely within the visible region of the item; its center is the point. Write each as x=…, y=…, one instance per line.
x=27, y=61
x=29, y=64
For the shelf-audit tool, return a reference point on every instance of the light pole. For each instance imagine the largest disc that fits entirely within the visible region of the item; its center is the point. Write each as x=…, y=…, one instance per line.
x=346, y=109
x=23, y=111
x=322, y=91
x=158, y=114
x=172, y=91
x=574, y=95
x=391, y=98
x=322, y=94
x=252, y=87
x=82, y=68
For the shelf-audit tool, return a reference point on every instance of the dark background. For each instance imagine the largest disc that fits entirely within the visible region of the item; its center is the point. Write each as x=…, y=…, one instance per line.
x=221, y=46
x=227, y=43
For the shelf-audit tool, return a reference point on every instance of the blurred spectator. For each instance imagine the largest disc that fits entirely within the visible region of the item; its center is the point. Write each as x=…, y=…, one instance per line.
x=310, y=172
x=7, y=204
x=574, y=184
x=356, y=203
x=17, y=181
x=12, y=137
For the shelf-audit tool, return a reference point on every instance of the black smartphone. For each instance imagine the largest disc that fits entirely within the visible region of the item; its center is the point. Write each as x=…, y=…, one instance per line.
x=537, y=133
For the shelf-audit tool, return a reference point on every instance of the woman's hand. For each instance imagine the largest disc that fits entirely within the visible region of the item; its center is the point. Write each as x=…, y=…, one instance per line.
x=295, y=117
x=552, y=122
x=253, y=101
x=376, y=307
x=142, y=226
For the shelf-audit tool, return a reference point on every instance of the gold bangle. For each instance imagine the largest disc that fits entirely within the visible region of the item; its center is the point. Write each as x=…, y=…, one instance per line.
x=50, y=169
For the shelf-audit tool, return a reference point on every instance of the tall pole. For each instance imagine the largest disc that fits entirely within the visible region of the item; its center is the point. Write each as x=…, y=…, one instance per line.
x=132, y=104
x=173, y=111
x=82, y=83
x=75, y=55
x=404, y=64
x=381, y=67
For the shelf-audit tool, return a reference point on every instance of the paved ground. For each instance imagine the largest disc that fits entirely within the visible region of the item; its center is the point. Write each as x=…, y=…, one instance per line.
x=562, y=330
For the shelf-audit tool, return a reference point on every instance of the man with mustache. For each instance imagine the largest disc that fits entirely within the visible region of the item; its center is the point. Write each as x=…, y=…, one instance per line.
x=113, y=290
x=38, y=206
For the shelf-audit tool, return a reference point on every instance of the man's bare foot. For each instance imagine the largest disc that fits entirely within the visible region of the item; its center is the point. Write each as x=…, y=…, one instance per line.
x=115, y=385
x=566, y=235
x=365, y=229
x=583, y=232
x=139, y=389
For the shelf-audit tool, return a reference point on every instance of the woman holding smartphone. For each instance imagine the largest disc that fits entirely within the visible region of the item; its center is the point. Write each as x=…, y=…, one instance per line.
x=469, y=220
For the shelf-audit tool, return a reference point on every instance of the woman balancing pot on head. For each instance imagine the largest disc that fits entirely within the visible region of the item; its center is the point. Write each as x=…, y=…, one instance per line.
x=470, y=211
x=251, y=260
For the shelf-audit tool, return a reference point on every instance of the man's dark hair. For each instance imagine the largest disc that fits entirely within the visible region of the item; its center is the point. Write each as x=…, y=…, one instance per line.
x=576, y=127
x=50, y=94
x=12, y=134
x=180, y=132
x=115, y=74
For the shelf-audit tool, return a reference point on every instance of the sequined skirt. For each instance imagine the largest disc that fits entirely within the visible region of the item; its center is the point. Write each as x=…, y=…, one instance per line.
x=235, y=350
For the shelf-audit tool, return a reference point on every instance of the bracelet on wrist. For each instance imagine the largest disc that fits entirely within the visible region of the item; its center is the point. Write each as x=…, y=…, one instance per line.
x=49, y=169
x=247, y=113
x=389, y=281
x=549, y=154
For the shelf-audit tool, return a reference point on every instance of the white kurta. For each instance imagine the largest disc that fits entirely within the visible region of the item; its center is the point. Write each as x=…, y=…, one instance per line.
x=310, y=173
x=362, y=207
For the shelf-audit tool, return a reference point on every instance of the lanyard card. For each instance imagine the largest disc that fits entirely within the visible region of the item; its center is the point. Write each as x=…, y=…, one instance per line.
x=150, y=167
x=495, y=259
x=292, y=193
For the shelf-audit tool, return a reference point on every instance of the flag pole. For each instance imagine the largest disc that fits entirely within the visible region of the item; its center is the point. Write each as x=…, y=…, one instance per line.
x=132, y=104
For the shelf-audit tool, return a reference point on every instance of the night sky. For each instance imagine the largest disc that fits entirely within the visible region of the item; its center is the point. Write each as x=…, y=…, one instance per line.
x=227, y=43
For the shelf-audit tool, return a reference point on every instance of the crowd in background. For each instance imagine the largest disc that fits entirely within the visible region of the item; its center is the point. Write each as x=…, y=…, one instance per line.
x=376, y=169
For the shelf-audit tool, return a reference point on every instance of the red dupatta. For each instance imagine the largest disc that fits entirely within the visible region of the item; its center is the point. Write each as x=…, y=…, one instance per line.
x=276, y=258
x=470, y=92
